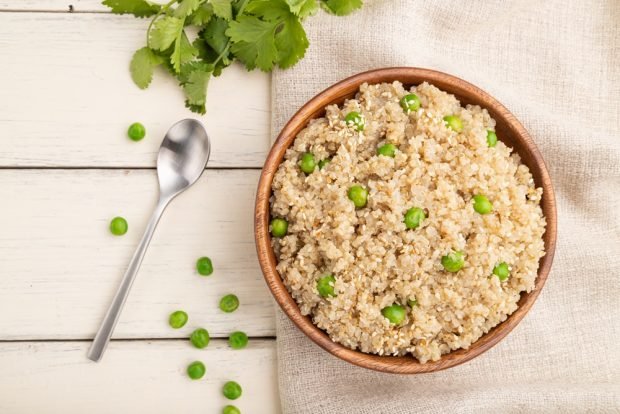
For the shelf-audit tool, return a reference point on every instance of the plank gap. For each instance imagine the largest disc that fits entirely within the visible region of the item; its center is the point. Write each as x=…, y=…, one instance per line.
x=106, y=168
x=52, y=11
x=154, y=339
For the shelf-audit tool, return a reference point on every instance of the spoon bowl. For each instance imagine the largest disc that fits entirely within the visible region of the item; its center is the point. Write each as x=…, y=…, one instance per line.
x=182, y=158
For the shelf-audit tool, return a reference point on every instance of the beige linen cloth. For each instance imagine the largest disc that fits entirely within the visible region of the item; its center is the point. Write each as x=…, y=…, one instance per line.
x=556, y=65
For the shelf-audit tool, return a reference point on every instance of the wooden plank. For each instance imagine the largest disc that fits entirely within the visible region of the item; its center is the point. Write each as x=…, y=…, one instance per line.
x=67, y=97
x=54, y=5
x=134, y=377
x=60, y=265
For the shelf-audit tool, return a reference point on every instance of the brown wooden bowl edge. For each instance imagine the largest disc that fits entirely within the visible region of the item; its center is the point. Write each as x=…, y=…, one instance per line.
x=403, y=364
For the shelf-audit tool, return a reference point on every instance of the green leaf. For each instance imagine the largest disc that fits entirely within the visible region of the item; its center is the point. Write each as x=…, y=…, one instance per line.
x=139, y=8
x=188, y=51
x=187, y=68
x=141, y=67
x=222, y=8
x=203, y=49
x=202, y=15
x=209, y=56
x=183, y=52
x=196, y=90
x=254, y=42
x=341, y=7
x=175, y=56
x=268, y=9
x=165, y=31
x=290, y=38
x=302, y=8
x=187, y=7
x=236, y=5
x=214, y=35
x=291, y=42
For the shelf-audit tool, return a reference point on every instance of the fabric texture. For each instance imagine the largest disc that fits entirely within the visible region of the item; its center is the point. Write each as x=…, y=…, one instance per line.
x=556, y=66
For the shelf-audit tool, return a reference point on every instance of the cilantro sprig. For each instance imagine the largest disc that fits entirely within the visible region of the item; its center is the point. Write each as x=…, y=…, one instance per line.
x=260, y=34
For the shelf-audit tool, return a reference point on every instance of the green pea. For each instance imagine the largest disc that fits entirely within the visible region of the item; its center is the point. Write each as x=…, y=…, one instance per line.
x=325, y=286
x=491, y=138
x=229, y=303
x=453, y=122
x=412, y=303
x=388, y=150
x=359, y=196
x=413, y=217
x=238, y=340
x=279, y=227
x=482, y=204
x=204, y=266
x=118, y=226
x=356, y=120
x=453, y=261
x=196, y=370
x=502, y=271
x=230, y=409
x=307, y=163
x=231, y=390
x=136, y=131
x=394, y=313
x=177, y=319
x=410, y=102
x=200, y=338
x=324, y=162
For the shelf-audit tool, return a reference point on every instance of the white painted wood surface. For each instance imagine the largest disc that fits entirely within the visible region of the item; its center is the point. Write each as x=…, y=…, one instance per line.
x=61, y=265
x=66, y=168
x=67, y=97
x=55, y=5
x=134, y=377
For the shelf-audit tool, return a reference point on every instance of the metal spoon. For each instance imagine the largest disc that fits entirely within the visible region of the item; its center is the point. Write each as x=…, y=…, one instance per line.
x=182, y=158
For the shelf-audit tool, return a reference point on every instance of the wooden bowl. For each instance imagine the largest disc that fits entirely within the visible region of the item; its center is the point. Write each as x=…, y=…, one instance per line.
x=509, y=130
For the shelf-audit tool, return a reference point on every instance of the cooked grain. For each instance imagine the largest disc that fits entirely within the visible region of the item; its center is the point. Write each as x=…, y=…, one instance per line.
x=376, y=261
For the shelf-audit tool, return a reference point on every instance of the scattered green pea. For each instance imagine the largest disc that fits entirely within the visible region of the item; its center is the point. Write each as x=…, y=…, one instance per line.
x=482, y=205
x=453, y=122
x=325, y=286
x=231, y=390
x=200, y=338
x=394, y=313
x=502, y=271
x=387, y=150
x=196, y=370
x=324, y=162
x=238, y=340
x=359, y=196
x=204, y=266
x=279, y=227
x=178, y=319
x=453, y=261
x=412, y=303
x=136, y=131
x=356, y=120
x=413, y=217
x=307, y=163
x=410, y=102
x=230, y=409
x=229, y=303
x=491, y=138
x=118, y=226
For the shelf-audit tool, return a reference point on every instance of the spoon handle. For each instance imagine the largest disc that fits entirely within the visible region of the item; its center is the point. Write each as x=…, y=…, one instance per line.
x=104, y=333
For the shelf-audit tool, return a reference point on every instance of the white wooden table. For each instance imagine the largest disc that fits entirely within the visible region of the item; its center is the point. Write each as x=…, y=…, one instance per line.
x=67, y=168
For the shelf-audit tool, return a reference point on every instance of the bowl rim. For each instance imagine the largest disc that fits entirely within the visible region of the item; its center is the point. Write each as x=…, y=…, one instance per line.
x=404, y=364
